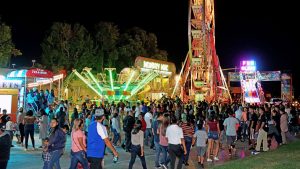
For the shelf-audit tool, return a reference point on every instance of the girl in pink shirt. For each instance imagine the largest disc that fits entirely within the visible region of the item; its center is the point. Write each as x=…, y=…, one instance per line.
x=78, y=149
x=163, y=142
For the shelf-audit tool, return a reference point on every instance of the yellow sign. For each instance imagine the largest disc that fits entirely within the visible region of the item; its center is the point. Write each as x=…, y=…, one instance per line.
x=155, y=66
x=9, y=91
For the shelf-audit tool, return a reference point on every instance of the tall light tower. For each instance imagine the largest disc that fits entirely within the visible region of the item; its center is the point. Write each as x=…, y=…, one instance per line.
x=33, y=62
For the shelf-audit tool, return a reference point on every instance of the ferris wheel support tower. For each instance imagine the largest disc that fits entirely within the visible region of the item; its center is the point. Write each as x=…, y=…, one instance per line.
x=201, y=77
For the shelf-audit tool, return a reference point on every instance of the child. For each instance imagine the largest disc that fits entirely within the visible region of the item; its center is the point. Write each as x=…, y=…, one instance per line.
x=10, y=128
x=46, y=155
x=201, y=137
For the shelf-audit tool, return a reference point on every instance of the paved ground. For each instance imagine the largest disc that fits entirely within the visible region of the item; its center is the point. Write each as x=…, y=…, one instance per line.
x=21, y=159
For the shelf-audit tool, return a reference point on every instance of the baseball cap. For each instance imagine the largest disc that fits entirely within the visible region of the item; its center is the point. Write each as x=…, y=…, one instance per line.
x=99, y=112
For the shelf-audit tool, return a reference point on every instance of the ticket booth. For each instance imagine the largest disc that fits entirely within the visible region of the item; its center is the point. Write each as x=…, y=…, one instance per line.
x=9, y=94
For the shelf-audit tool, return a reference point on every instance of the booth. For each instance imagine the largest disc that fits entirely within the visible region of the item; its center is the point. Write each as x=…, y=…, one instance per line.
x=26, y=77
x=162, y=84
x=9, y=94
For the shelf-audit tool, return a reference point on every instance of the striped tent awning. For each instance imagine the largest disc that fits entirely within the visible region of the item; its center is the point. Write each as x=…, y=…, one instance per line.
x=34, y=72
x=17, y=73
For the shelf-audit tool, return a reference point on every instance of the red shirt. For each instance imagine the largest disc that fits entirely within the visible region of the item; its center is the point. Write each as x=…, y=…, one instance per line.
x=188, y=130
x=213, y=125
x=144, y=125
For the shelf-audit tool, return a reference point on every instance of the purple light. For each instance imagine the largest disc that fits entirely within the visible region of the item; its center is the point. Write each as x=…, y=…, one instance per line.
x=248, y=66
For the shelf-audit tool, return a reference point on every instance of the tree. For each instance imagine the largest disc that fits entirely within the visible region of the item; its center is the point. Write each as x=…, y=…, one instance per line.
x=106, y=38
x=7, y=48
x=137, y=42
x=68, y=46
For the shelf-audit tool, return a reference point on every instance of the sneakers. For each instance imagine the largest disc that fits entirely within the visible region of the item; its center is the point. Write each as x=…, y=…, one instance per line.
x=216, y=158
x=255, y=152
x=209, y=160
x=164, y=166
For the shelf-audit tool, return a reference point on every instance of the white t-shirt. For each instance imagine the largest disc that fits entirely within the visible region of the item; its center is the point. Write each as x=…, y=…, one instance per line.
x=148, y=117
x=9, y=126
x=101, y=130
x=137, y=112
x=174, y=134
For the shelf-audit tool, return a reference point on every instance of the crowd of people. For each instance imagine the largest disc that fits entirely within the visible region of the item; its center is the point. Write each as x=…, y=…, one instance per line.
x=169, y=127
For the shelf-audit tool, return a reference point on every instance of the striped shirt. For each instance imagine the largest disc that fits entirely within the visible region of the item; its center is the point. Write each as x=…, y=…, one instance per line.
x=188, y=130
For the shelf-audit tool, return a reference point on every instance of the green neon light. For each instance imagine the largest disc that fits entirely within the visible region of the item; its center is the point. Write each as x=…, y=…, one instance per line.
x=111, y=80
x=86, y=82
x=94, y=79
x=143, y=83
x=128, y=82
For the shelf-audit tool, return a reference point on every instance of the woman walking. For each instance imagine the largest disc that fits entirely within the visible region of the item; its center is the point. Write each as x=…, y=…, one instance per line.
x=57, y=140
x=213, y=138
x=137, y=148
x=29, y=120
x=188, y=132
x=20, y=123
x=163, y=141
x=43, y=125
x=78, y=149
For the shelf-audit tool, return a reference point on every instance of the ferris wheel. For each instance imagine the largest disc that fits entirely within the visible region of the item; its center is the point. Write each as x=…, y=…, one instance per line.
x=201, y=76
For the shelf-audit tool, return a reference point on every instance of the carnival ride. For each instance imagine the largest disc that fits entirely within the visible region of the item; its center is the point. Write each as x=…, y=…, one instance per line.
x=111, y=86
x=250, y=83
x=201, y=76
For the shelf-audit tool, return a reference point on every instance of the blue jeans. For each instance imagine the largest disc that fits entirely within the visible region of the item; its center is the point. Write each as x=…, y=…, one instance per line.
x=165, y=159
x=148, y=133
x=244, y=130
x=136, y=150
x=116, y=136
x=46, y=164
x=157, y=153
x=188, y=143
x=54, y=161
x=79, y=156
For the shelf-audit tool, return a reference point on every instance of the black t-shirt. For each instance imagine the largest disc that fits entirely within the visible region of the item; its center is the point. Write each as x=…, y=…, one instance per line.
x=254, y=119
x=264, y=119
x=221, y=121
x=3, y=118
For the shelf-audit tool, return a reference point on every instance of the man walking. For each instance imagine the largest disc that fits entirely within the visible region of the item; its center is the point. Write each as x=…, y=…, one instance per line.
x=97, y=139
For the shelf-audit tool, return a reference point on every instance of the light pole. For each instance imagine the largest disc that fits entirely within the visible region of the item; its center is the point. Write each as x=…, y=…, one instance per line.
x=13, y=65
x=33, y=61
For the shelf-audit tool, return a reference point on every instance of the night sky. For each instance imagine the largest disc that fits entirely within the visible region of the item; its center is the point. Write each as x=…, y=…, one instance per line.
x=262, y=30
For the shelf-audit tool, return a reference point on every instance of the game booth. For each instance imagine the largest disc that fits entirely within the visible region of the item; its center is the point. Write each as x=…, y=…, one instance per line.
x=29, y=79
x=9, y=93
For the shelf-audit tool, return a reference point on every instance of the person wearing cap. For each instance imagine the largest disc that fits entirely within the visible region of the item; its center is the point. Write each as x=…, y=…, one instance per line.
x=5, y=144
x=97, y=139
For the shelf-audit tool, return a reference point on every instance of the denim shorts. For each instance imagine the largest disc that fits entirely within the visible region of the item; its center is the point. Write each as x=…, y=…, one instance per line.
x=213, y=135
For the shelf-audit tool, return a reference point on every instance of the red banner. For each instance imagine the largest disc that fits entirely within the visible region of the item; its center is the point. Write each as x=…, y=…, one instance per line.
x=41, y=73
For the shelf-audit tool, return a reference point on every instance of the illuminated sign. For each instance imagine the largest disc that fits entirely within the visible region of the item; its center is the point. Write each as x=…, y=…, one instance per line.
x=248, y=66
x=6, y=84
x=155, y=66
